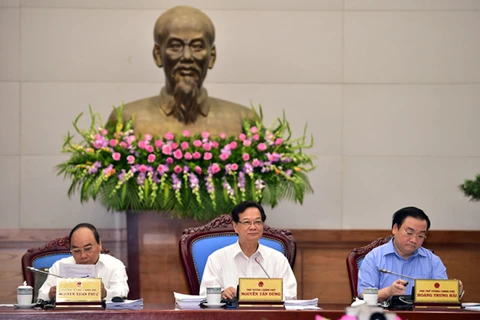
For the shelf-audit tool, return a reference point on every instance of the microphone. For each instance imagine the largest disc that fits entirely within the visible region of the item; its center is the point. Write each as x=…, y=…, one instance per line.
x=394, y=273
x=44, y=272
x=258, y=261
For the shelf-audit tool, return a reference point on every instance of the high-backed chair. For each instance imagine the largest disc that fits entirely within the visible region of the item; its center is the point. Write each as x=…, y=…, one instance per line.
x=197, y=243
x=43, y=258
x=354, y=261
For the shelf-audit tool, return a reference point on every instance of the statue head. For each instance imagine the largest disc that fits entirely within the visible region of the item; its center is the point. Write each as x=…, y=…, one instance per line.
x=184, y=46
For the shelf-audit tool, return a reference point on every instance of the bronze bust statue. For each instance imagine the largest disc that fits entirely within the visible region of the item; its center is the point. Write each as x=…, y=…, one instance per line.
x=184, y=46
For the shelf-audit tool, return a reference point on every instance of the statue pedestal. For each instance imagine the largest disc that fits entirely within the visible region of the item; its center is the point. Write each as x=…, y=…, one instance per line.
x=154, y=267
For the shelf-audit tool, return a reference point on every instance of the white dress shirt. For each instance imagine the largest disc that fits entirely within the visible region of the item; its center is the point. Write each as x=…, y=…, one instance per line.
x=226, y=265
x=109, y=269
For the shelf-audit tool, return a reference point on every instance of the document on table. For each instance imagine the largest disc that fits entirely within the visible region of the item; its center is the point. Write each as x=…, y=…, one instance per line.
x=311, y=304
x=77, y=270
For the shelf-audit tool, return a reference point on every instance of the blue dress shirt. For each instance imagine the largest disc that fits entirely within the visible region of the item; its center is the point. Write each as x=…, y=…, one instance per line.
x=422, y=264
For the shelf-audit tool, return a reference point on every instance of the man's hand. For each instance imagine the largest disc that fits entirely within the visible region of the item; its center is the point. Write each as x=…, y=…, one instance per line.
x=53, y=292
x=397, y=287
x=229, y=293
x=104, y=291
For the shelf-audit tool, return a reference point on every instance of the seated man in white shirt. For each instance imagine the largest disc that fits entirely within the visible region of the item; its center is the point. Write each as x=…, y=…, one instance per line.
x=85, y=246
x=239, y=260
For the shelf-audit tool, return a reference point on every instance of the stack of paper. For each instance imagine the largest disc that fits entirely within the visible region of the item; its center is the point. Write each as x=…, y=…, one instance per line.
x=125, y=305
x=187, y=301
x=302, y=304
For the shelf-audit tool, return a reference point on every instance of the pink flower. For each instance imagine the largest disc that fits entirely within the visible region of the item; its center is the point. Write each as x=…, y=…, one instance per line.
x=177, y=169
x=168, y=136
x=143, y=168
x=142, y=144
x=247, y=143
x=104, y=132
x=177, y=154
x=234, y=167
x=123, y=144
x=151, y=158
x=197, y=143
x=205, y=135
x=246, y=157
x=215, y=144
x=198, y=170
x=130, y=159
x=262, y=147
x=186, y=133
x=184, y=145
x=149, y=148
x=113, y=142
x=256, y=137
x=169, y=160
x=147, y=137
x=215, y=168
x=167, y=149
x=242, y=137
x=116, y=156
x=130, y=139
x=187, y=156
x=223, y=135
x=158, y=143
x=162, y=168
x=196, y=155
x=278, y=141
x=255, y=162
x=233, y=145
x=207, y=156
x=174, y=145
x=207, y=146
x=253, y=129
x=223, y=156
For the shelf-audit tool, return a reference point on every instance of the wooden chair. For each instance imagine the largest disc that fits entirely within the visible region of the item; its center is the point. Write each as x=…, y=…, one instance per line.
x=354, y=261
x=197, y=243
x=43, y=258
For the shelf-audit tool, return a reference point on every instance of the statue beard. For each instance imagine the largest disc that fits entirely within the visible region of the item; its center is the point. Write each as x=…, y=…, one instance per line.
x=184, y=103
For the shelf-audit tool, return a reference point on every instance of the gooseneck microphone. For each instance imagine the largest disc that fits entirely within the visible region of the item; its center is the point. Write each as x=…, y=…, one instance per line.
x=394, y=273
x=44, y=272
x=258, y=261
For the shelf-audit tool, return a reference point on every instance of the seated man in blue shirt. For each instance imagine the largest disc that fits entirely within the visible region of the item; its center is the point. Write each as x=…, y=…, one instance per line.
x=404, y=254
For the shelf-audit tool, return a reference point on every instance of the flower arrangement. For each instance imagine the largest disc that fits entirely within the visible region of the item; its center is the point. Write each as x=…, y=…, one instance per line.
x=196, y=176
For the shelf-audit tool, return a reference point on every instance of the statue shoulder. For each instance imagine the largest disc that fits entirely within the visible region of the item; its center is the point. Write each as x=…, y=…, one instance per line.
x=137, y=107
x=221, y=105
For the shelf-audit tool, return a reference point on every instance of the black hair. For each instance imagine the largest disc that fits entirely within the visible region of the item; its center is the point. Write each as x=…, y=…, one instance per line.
x=241, y=207
x=84, y=225
x=414, y=212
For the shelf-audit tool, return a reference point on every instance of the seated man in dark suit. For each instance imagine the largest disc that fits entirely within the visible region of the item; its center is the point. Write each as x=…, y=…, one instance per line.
x=85, y=246
x=404, y=254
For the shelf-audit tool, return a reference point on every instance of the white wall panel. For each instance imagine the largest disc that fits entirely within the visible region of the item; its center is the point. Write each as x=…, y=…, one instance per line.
x=412, y=47
x=10, y=118
x=404, y=120
x=375, y=187
x=202, y=4
x=9, y=44
x=9, y=192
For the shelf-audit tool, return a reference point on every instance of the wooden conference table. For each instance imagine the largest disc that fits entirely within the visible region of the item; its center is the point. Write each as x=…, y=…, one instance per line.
x=167, y=312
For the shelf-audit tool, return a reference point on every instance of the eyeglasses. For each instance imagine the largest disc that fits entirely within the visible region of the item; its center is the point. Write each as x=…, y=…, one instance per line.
x=256, y=223
x=419, y=236
x=87, y=249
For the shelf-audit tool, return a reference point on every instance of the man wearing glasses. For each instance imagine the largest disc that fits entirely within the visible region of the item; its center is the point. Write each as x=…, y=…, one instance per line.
x=85, y=246
x=247, y=258
x=404, y=254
